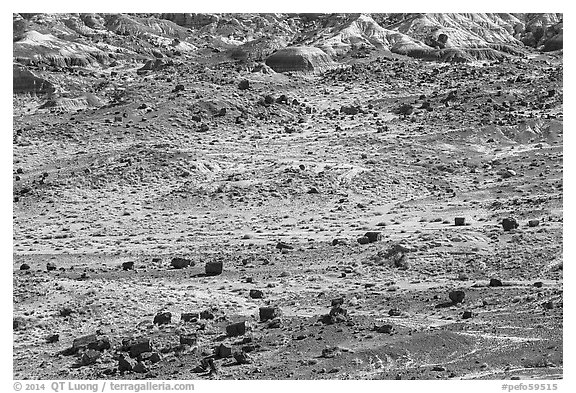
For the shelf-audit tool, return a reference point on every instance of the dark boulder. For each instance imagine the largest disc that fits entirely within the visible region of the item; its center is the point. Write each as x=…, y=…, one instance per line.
x=509, y=224
x=256, y=294
x=190, y=316
x=128, y=265
x=373, y=236
x=236, y=329
x=180, y=263
x=456, y=296
x=267, y=313
x=136, y=346
x=214, y=268
x=244, y=85
x=459, y=221
x=163, y=318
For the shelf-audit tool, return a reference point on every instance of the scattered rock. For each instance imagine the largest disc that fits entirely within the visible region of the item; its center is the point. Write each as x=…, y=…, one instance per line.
x=89, y=357
x=180, y=263
x=140, y=368
x=206, y=314
x=128, y=265
x=223, y=351
x=244, y=85
x=214, y=268
x=163, y=318
x=282, y=245
x=509, y=224
x=533, y=223
x=386, y=328
x=373, y=236
x=152, y=357
x=190, y=316
x=350, y=110
x=274, y=323
x=507, y=173
x=125, y=364
x=92, y=341
x=396, y=255
x=188, y=339
x=242, y=358
x=330, y=352
x=256, y=294
x=52, y=338
x=337, y=314
x=267, y=313
x=66, y=312
x=337, y=242
x=236, y=329
x=136, y=346
x=456, y=296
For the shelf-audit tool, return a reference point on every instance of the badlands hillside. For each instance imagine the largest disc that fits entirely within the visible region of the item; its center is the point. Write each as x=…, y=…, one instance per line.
x=287, y=196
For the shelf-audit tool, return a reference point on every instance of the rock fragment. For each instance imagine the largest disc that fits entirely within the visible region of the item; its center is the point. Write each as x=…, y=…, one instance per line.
x=256, y=294
x=136, y=346
x=509, y=224
x=163, y=318
x=214, y=268
x=242, y=358
x=140, y=368
x=373, y=236
x=267, y=313
x=128, y=265
x=180, y=263
x=190, y=316
x=91, y=341
x=52, y=338
x=125, y=364
x=363, y=240
x=223, y=351
x=456, y=296
x=236, y=329
x=282, y=246
x=188, y=339
x=89, y=357
x=244, y=85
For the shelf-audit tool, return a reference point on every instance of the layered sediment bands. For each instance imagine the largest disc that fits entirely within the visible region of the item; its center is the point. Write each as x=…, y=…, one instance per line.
x=24, y=81
x=305, y=59
x=71, y=104
x=454, y=55
x=35, y=48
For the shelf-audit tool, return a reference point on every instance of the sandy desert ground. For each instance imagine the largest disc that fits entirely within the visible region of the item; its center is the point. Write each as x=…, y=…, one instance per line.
x=333, y=201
